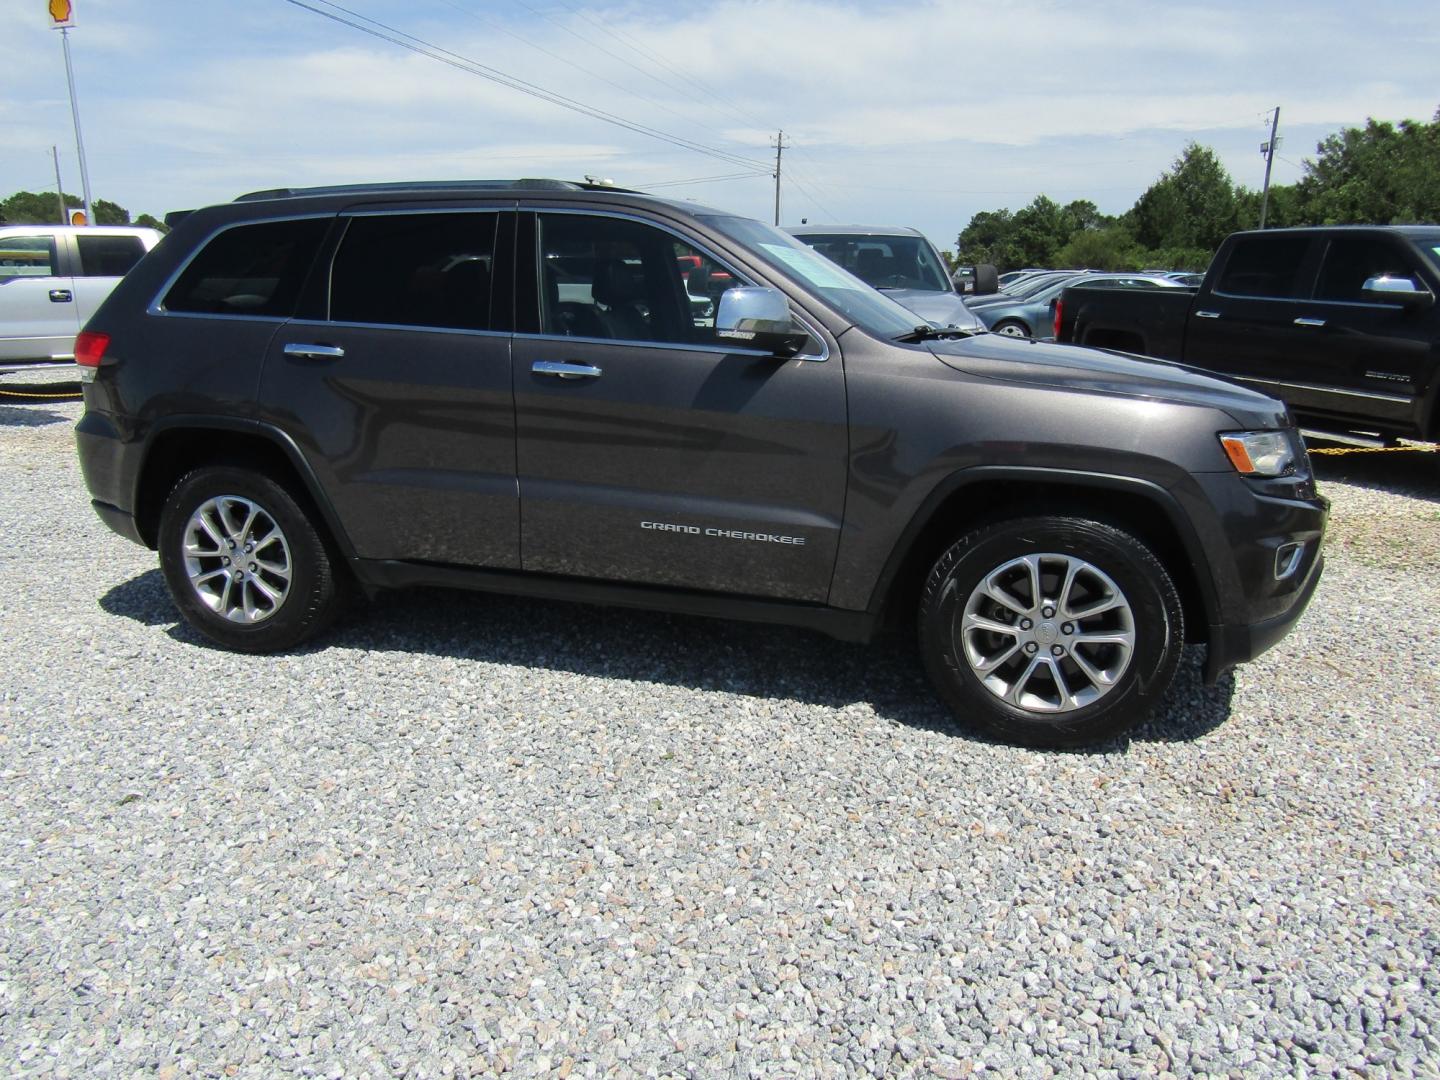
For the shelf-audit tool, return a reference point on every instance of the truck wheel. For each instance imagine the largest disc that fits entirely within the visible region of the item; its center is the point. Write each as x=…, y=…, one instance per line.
x=244, y=563
x=1050, y=631
x=1011, y=328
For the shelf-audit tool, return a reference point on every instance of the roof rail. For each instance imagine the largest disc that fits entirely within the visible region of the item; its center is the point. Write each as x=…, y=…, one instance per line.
x=530, y=184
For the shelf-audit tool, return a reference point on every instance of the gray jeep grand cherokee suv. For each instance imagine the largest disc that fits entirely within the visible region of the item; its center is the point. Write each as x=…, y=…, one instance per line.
x=544, y=388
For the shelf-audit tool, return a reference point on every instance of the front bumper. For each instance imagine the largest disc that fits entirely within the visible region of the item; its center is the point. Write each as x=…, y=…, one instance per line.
x=1231, y=645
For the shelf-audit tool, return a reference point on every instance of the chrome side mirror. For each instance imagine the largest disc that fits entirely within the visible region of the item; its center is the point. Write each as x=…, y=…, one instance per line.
x=1385, y=289
x=759, y=318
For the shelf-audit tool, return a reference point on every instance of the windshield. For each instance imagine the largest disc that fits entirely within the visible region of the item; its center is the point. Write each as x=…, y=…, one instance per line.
x=868, y=309
x=882, y=261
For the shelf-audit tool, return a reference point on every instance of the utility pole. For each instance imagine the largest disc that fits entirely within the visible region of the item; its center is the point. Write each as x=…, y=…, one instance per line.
x=1268, y=149
x=779, y=149
x=59, y=188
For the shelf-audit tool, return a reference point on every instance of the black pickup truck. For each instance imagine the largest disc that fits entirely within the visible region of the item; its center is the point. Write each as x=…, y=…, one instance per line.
x=1339, y=322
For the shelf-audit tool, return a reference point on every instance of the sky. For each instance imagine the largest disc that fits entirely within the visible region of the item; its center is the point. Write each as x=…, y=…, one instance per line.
x=916, y=114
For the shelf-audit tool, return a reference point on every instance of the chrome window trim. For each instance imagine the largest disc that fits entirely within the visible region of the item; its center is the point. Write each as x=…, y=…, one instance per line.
x=157, y=305
x=1262, y=299
x=1369, y=304
x=1310, y=300
x=681, y=346
x=744, y=278
x=400, y=327
x=348, y=216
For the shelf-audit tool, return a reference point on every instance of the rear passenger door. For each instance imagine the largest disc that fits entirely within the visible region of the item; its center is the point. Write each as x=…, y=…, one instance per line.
x=649, y=450
x=397, y=388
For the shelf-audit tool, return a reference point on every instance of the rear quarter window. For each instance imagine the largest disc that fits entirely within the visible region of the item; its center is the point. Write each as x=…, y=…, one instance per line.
x=108, y=256
x=254, y=269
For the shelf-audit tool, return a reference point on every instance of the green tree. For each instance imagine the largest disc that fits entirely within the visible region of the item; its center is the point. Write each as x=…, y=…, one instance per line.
x=35, y=208
x=109, y=213
x=987, y=239
x=41, y=208
x=1109, y=248
x=1381, y=174
x=1031, y=236
x=1193, y=205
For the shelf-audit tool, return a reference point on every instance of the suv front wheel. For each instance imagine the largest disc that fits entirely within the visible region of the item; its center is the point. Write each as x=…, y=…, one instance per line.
x=243, y=561
x=1050, y=631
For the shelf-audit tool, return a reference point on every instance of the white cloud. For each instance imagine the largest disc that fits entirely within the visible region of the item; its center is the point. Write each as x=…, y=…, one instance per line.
x=914, y=112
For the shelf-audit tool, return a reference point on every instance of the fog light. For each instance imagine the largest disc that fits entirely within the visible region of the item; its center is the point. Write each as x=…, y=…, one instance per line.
x=1287, y=560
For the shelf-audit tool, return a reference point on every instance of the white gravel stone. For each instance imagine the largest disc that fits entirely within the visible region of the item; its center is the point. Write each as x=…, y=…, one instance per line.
x=466, y=834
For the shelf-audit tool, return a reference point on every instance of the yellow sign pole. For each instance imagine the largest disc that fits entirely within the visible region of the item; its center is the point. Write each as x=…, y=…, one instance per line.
x=62, y=18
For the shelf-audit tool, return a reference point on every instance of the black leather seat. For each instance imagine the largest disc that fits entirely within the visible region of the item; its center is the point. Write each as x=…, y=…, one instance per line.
x=617, y=287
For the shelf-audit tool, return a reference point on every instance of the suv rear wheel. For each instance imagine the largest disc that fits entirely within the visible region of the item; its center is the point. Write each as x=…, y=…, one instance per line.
x=243, y=561
x=1050, y=631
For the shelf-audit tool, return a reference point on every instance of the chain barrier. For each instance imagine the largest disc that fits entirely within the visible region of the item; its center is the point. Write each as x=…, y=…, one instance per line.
x=1429, y=449
x=64, y=395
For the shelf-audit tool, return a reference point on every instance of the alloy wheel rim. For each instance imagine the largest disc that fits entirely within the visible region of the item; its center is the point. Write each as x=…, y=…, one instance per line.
x=1011, y=330
x=237, y=559
x=1047, y=633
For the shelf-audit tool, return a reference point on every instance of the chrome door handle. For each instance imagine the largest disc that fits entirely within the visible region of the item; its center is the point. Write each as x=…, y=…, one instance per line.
x=565, y=371
x=315, y=352
x=61, y=296
x=1317, y=323
x=1207, y=314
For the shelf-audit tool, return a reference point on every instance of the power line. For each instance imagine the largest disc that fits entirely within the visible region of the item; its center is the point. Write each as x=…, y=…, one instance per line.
x=424, y=48
x=699, y=180
x=686, y=77
x=578, y=67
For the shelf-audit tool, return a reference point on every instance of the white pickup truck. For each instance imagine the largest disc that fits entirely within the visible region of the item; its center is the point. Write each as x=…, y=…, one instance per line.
x=52, y=278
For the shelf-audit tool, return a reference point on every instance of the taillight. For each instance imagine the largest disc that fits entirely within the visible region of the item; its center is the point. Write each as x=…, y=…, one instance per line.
x=1059, y=310
x=90, y=347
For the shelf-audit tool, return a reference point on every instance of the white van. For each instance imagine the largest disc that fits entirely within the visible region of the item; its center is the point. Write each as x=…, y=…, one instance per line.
x=53, y=277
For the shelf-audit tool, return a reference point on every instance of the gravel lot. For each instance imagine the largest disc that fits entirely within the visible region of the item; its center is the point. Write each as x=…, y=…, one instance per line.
x=469, y=835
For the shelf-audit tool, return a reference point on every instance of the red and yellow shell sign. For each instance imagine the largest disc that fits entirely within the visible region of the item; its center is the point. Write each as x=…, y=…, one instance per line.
x=62, y=12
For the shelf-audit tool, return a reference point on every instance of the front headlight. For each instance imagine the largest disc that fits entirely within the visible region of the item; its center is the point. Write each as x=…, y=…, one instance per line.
x=1259, y=453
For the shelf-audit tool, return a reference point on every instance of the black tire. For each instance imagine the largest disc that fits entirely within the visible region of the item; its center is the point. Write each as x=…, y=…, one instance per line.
x=305, y=606
x=1106, y=561
x=1011, y=328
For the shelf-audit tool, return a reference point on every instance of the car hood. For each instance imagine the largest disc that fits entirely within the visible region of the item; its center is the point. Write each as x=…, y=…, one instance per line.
x=937, y=308
x=1101, y=371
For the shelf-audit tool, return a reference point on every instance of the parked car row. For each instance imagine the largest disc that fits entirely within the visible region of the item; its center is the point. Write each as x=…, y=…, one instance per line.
x=1029, y=312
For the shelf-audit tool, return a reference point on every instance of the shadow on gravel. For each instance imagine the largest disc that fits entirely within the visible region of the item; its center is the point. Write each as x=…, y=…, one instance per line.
x=778, y=663
x=143, y=599
x=35, y=415
x=1414, y=473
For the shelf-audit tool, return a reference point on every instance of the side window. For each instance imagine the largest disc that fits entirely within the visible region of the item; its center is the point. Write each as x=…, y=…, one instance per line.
x=108, y=256
x=28, y=256
x=705, y=280
x=250, y=270
x=415, y=270
x=1350, y=261
x=1264, y=266
x=622, y=280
